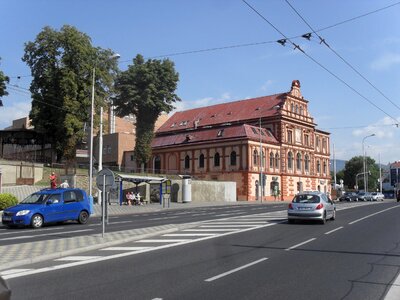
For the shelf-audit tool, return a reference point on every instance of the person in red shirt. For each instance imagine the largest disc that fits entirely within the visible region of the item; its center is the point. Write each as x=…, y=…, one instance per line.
x=53, y=180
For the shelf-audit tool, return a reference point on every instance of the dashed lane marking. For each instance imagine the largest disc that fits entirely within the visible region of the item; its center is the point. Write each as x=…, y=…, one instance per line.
x=13, y=271
x=301, y=244
x=236, y=270
x=329, y=232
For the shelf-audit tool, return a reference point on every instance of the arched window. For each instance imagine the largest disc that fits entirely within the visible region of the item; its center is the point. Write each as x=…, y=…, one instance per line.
x=290, y=160
x=233, y=158
x=324, y=167
x=271, y=160
x=306, y=163
x=263, y=159
x=301, y=110
x=277, y=161
x=297, y=109
x=298, y=162
x=292, y=107
x=157, y=164
x=255, y=158
x=201, y=161
x=216, y=160
x=187, y=162
x=318, y=166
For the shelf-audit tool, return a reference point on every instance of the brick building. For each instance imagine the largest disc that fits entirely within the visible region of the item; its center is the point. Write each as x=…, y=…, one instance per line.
x=225, y=141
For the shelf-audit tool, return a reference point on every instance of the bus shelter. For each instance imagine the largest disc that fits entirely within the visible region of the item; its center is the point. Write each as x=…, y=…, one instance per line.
x=137, y=180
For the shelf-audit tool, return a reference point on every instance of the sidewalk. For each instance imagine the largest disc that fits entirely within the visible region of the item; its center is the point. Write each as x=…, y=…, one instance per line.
x=26, y=253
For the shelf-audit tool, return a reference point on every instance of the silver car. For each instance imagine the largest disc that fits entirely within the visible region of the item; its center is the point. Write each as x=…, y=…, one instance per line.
x=311, y=206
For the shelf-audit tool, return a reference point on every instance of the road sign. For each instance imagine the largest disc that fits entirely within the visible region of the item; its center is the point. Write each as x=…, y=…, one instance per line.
x=109, y=180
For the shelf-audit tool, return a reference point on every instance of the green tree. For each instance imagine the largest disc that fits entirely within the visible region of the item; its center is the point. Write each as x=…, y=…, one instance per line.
x=355, y=166
x=61, y=64
x=3, y=80
x=146, y=90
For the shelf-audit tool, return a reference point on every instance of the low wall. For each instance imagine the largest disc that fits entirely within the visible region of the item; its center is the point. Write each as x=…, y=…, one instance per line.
x=14, y=172
x=206, y=191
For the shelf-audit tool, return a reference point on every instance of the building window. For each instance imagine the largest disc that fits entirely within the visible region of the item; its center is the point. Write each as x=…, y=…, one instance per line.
x=187, y=162
x=109, y=149
x=255, y=157
x=298, y=162
x=318, y=166
x=297, y=109
x=290, y=136
x=216, y=160
x=292, y=107
x=306, y=163
x=132, y=158
x=262, y=159
x=324, y=167
x=271, y=160
x=201, y=161
x=277, y=161
x=317, y=142
x=301, y=110
x=306, y=140
x=290, y=160
x=233, y=158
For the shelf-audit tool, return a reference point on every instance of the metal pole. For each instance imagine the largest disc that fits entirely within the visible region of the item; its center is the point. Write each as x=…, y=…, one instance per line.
x=380, y=174
x=91, y=139
x=334, y=165
x=261, y=167
x=363, y=164
x=103, y=202
x=100, y=147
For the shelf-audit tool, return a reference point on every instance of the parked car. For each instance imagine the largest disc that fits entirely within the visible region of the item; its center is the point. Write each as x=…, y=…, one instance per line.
x=377, y=196
x=48, y=206
x=364, y=196
x=348, y=196
x=398, y=195
x=311, y=206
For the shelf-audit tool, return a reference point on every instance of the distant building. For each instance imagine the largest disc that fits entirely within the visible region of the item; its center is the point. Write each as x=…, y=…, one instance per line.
x=224, y=142
x=394, y=175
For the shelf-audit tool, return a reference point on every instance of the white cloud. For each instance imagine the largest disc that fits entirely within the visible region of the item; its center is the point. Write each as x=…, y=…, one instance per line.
x=386, y=61
x=12, y=111
x=265, y=87
x=185, y=105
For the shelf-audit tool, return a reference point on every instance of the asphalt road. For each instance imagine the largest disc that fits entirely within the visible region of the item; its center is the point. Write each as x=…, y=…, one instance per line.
x=357, y=256
x=11, y=236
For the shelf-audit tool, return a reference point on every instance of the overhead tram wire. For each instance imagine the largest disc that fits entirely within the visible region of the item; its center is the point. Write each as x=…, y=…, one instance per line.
x=322, y=41
x=286, y=39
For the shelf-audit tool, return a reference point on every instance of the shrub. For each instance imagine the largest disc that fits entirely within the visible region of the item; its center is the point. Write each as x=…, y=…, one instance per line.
x=7, y=200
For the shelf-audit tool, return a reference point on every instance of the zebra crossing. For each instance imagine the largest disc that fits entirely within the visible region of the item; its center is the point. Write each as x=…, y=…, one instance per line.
x=202, y=231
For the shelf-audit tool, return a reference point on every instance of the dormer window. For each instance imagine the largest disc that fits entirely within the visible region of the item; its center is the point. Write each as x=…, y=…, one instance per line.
x=173, y=125
x=220, y=132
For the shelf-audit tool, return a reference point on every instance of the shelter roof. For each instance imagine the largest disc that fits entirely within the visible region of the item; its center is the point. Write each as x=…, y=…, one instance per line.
x=140, y=179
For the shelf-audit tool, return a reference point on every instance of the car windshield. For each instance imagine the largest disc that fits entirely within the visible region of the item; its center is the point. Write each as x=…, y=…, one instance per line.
x=36, y=199
x=308, y=198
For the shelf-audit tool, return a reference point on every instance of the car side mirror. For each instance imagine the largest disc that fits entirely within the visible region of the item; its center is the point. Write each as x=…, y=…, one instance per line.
x=48, y=202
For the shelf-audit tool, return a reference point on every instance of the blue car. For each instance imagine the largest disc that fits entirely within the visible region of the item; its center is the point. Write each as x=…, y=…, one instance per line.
x=48, y=206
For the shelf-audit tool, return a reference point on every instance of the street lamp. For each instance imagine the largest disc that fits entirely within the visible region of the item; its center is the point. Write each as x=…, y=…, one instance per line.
x=364, y=166
x=91, y=130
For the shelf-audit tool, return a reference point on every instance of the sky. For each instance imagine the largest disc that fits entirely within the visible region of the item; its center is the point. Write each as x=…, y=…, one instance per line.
x=340, y=101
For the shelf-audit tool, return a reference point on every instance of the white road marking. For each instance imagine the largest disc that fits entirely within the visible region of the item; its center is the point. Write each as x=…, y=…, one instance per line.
x=371, y=215
x=76, y=258
x=301, y=244
x=240, y=222
x=125, y=254
x=124, y=248
x=163, y=218
x=235, y=270
x=329, y=232
x=39, y=235
x=120, y=222
x=204, y=230
x=227, y=226
x=31, y=230
x=394, y=290
x=13, y=271
x=162, y=241
x=188, y=234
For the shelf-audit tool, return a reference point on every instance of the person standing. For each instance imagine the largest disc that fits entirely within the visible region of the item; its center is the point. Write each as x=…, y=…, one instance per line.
x=65, y=184
x=53, y=180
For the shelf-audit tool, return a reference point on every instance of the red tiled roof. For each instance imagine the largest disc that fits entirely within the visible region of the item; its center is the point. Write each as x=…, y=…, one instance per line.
x=215, y=134
x=223, y=113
